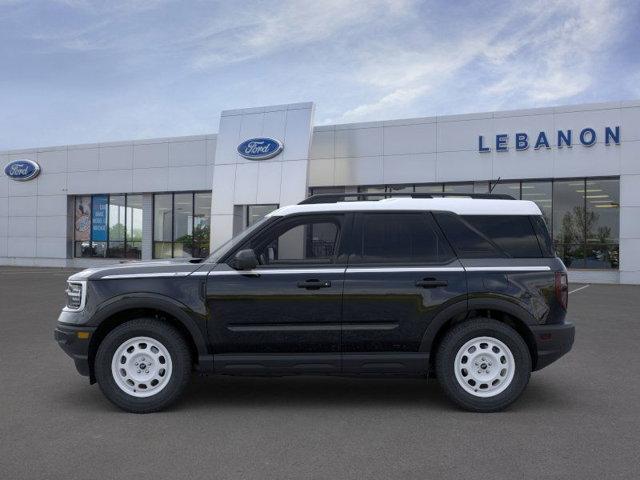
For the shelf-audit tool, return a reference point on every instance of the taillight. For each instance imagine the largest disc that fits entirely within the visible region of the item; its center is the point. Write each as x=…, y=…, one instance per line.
x=562, y=289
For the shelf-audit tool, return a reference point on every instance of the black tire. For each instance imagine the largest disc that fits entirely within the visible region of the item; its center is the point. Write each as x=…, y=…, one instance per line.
x=177, y=348
x=456, y=338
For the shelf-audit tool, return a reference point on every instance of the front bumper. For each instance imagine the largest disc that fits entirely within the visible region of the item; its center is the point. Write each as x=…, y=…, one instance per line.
x=75, y=343
x=552, y=342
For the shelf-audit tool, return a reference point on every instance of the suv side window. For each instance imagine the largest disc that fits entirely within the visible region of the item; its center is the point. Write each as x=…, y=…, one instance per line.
x=514, y=234
x=466, y=241
x=490, y=236
x=544, y=239
x=304, y=240
x=400, y=238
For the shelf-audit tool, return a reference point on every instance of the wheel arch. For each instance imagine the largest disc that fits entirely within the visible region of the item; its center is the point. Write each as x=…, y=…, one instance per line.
x=122, y=309
x=504, y=311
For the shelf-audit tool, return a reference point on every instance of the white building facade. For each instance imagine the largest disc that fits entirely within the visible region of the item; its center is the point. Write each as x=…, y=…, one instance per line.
x=83, y=205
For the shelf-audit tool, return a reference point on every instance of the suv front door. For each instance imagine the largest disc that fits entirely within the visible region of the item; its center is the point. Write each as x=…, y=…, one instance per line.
x=400, y=274
x=285, y=314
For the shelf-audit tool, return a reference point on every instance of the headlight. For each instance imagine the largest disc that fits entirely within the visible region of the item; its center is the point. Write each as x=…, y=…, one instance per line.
x=76, y=295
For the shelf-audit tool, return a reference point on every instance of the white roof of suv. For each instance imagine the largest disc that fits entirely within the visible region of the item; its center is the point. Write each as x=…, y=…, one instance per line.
x=459, y=205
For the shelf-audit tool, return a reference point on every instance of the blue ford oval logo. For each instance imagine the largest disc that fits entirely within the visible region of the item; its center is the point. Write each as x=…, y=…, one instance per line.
x=22, y=170
x=260, y=148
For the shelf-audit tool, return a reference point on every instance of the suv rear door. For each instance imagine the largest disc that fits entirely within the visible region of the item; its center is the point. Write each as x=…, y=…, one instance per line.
x=401, y=272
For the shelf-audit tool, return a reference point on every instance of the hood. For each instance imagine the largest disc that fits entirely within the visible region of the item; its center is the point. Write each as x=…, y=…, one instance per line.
x=169, y=267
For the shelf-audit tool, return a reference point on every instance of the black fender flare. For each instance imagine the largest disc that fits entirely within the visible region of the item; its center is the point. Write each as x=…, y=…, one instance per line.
x=155, y=301
x=442, y=317
x=464, y=306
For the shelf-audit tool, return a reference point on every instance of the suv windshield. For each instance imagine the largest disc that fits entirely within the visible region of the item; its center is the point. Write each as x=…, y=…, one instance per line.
x=219, y=252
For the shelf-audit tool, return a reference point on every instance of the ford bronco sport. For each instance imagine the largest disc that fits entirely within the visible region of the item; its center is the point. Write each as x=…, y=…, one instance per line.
x=464, y=288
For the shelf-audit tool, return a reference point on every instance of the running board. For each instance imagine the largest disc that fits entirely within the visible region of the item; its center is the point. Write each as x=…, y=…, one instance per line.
x=370, y=363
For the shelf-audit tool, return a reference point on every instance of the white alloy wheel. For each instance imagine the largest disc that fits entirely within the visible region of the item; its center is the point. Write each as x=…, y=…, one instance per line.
x=484, y=367
x=141, y=367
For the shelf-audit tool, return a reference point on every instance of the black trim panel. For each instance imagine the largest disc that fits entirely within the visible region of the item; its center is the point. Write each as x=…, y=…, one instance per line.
x=376, y=363
x=406, y=363
x=276, y=364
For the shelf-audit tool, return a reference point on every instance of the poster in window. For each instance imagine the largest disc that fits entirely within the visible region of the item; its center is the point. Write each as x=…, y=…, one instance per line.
x=83, y=219
x=99, y=218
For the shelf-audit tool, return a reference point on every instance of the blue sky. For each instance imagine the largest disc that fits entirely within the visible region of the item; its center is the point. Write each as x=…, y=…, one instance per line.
x=80, y=71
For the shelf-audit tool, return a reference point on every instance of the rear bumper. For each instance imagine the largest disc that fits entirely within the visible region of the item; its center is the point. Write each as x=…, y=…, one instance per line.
x=552, y=342
x=75, y=345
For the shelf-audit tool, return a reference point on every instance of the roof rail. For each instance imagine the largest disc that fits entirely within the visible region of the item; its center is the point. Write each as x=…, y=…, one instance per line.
x=345, y=197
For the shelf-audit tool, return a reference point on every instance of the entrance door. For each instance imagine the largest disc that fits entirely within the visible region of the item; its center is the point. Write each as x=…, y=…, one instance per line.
x=286, y=313
x=402, y=272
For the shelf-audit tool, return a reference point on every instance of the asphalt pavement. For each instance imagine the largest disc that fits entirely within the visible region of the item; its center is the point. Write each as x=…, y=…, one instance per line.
x=578, y=418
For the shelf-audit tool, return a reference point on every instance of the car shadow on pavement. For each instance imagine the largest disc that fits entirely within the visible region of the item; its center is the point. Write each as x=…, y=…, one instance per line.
x=225, y=392
x=312, y=392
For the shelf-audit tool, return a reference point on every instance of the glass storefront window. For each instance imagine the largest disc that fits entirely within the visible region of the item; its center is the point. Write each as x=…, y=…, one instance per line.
x=82, y=226
x=319, y=190
x=569, y=221
x=603, y=223
x=434, y=188
x=134, y=226
x=540, y=192
x=583, y=215
x=116, y=226
x=586, y=222
x=458, y=188
x=201, y=224
x=506, y=188
x=182, y=224
x=480, y=187
x=256, y=212
x=373, y=189
x=162, y=225
x=108, y=226
x=400, y=188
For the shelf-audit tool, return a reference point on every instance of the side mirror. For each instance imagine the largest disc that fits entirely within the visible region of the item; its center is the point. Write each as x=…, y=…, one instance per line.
x=245, y=260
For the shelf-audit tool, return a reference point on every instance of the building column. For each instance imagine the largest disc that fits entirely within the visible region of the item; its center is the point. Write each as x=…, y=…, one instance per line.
x=280, y=180
x=147, y=226
x=629, y=229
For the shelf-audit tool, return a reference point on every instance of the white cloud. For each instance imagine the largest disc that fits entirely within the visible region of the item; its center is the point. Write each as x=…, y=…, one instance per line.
x=254, y=33
x=555, y=63
x=543, y=52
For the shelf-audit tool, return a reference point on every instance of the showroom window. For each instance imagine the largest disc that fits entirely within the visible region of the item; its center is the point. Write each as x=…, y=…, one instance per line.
x=586, y=222
x=257, y=212
x=181, y=224
x=583, y=214
x=108, y=226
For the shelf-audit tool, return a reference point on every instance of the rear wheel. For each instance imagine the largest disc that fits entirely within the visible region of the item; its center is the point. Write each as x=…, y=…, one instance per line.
x=143, y=365
x=483, y=365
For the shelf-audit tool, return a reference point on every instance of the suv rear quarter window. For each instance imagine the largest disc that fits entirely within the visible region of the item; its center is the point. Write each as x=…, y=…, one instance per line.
x=491, y=236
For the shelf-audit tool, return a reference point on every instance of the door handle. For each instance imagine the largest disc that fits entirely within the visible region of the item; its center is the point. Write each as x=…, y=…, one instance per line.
x=431, y=283
x=314, y=284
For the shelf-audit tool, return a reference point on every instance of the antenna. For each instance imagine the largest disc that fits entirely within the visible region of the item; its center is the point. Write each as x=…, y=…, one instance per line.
x=494, y=185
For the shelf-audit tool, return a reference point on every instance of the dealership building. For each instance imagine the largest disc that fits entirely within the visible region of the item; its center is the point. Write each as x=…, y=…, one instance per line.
x=92, y=204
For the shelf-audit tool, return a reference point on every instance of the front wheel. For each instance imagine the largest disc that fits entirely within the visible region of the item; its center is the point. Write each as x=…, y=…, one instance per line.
x=483, y=365
x=143, y=365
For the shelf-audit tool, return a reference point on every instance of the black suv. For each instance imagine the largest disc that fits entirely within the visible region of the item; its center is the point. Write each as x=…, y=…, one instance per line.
x=467, y=289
